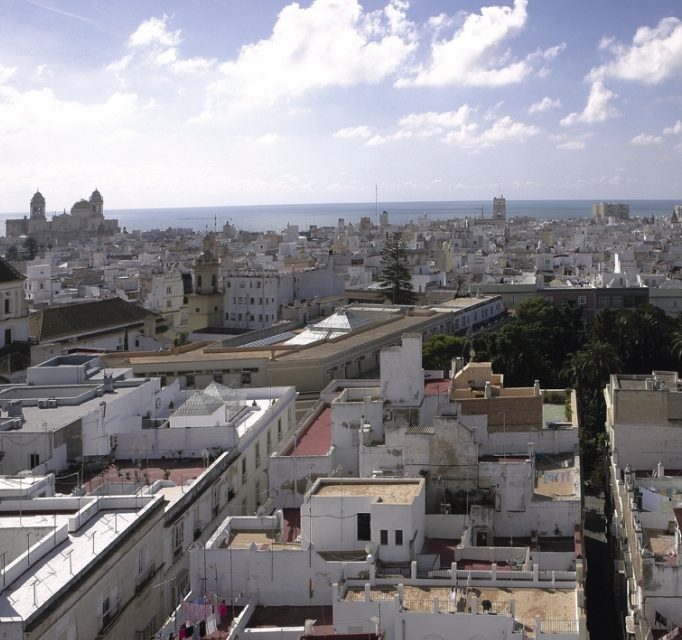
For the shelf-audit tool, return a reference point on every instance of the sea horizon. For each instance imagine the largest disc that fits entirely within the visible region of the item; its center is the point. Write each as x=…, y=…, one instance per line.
x=275, y=217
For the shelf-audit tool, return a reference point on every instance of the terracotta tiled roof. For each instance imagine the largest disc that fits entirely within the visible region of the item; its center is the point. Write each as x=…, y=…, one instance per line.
x=85, y=318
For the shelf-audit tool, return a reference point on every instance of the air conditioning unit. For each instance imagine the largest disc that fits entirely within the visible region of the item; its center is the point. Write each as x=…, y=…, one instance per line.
x=53, y=403
x=42, y=404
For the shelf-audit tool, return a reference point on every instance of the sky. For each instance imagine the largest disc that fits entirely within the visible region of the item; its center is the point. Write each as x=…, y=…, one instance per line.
x=162, y=103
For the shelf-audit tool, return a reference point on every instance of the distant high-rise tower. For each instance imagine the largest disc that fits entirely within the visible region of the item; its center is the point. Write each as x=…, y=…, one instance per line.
x=617, y=210
x=37, y=206
x=500, y=208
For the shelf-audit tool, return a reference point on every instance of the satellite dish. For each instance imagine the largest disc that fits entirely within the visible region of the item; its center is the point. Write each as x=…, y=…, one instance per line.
x=371, y=548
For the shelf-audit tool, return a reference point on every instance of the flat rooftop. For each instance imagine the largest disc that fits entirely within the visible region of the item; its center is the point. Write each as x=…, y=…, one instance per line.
x=549, y=604
x=661, y=544
x=126, y=477
x=317, y=438
x=264, y=539
x=436, y=387
x=53, y=571
x=556, y=477
x=51, y=419
x=389, y=492
x=267, y=617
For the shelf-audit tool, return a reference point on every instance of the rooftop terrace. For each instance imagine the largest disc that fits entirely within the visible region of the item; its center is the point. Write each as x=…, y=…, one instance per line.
x=549, y=604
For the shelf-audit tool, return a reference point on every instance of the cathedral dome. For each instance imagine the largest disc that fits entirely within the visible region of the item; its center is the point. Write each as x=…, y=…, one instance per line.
x=38, y=198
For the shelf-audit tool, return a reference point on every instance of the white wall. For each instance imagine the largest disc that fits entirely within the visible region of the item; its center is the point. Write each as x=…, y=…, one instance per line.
x=402, y=377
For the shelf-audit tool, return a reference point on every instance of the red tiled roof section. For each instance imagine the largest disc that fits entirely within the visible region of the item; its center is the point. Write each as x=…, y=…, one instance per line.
x=318, y=437
x=436, y=387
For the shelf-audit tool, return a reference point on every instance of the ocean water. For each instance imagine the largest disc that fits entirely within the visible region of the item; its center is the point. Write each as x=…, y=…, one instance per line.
x=276, y=217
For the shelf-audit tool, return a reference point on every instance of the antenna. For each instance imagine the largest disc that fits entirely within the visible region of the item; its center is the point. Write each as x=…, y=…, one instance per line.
x=376, y=202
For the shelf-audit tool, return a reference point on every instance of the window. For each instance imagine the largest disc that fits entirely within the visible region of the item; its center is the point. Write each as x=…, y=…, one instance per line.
x=363, y=525
x=110, y=602
x=34, y=460
x=66, y=634
x=168, y=304
x=398, y=537
x=178, y=539
x=6, y=305
x=257, y=454
x=383, y=536
x=582, y=300
x=142, y=560
x=268, y=443
x=168, y=290
x=243, y=470
x=279, y=429
x=215, y=499
x=8, y=336
x=148, y=631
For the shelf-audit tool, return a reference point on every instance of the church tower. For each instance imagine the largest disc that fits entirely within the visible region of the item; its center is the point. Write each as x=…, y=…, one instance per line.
x=205, y=304
x=97, y=203
x=37, y=206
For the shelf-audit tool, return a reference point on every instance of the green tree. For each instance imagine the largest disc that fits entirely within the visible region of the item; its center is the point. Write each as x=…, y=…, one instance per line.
x=30, y=247
x=439, y=350
x=395, y=278
x=12, y=253
x=535, y=344
x=587, y=371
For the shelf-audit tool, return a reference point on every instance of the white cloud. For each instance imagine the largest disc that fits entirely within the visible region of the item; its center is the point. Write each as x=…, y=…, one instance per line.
x=544, y=105
x=268, y=138
x=361, y=132
x=597, y=109
x=571, y=145
x=154, y=45
x=644, y=139
x=674, y=130
x=329, y=43
x=503, y=130
x=43, y=72
x=42, y=112
x=437, y=121
x=472, y=56
x=154, y=32
x=654, y=55
x=6, y=73
x=457, y=128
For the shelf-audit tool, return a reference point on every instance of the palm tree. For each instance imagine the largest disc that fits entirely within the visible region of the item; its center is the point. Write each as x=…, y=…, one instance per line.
x=589, y=368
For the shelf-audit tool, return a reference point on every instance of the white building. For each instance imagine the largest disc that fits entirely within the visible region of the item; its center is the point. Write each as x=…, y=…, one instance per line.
x=642, y=417
x=79, y=567
x=41, y=283
x=462, y=516
x=254, y=299
x=166, y=296
x=203, y=453
x=13, y=309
